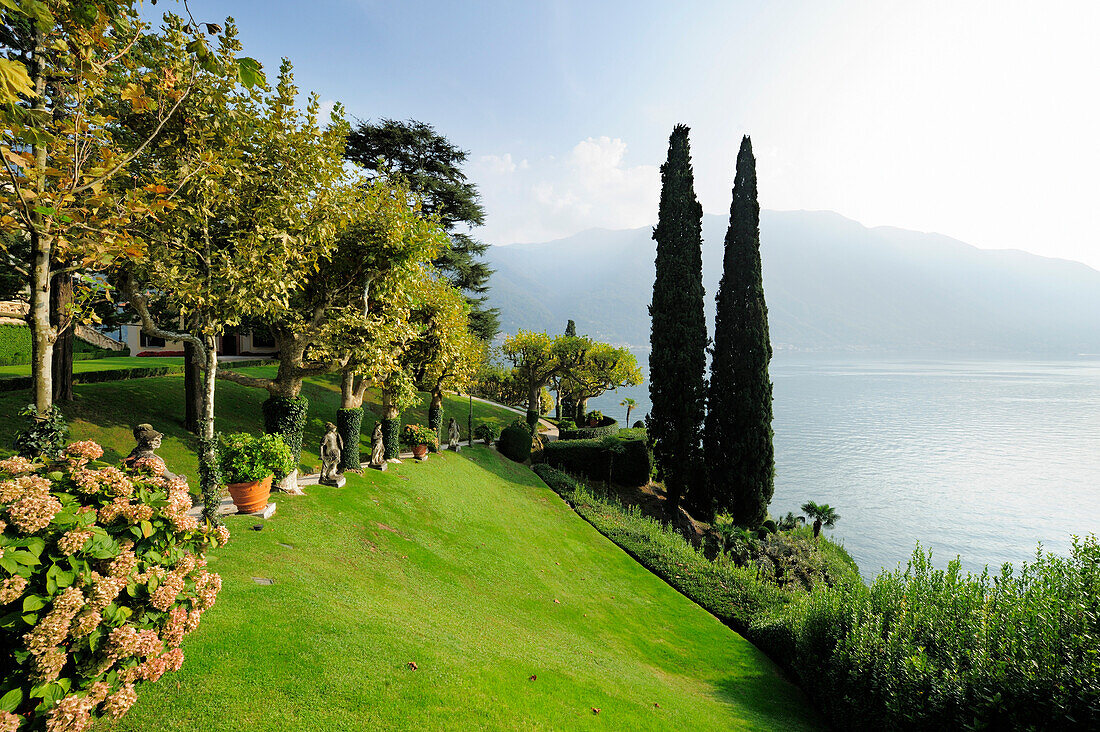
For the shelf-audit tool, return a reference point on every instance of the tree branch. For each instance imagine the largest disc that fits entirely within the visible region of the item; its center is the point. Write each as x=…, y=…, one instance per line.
x=245, y=380
x=140, y=303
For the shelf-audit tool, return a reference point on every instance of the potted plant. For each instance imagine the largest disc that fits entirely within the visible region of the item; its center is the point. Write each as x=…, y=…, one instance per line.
x=594, y=418
x=486, y=432
x=248, y=464
x=418, y=437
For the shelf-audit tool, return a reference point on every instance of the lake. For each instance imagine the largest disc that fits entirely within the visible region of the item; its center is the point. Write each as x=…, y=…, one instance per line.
x=982, y=459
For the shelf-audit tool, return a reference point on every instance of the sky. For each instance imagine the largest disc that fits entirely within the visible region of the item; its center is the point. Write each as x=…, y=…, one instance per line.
x=978, y=120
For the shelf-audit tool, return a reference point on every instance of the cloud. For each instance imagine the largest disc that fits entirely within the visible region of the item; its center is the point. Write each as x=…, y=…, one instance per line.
x=589, y=186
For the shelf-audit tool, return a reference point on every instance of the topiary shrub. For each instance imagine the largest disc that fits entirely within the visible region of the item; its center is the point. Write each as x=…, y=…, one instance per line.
x=639, y=425
x=607, y=427
x=102, y=575
x=349, y=425
x=286, y=416
x=515, y=441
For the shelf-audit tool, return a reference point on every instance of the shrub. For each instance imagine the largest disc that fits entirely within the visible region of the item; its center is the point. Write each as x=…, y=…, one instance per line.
x=932, y=649
x=629, y=460
x=486, y=432
x=44, y=435
x=639, y=425
x=244, y=457
x=567, y=424
x=607, y=427
x=594, y=416
x=286, y=416
x=418, y=434
x=515, y=441
x=102, y=575
x=15, y=344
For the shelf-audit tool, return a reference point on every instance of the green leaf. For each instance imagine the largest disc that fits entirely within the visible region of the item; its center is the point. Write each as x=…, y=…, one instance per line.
x=146, y=529
x=35, y=545
x=9, y=564
x=25, y=558
x=33, y=602
x=11, y=701
x=250, y=72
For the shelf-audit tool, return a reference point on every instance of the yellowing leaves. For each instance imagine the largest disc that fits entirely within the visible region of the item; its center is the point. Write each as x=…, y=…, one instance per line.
x=14, y=82
x=135, y=95
x=21, y=160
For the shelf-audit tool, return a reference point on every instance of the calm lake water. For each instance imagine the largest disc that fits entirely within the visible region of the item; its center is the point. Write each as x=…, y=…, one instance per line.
x=981, y=459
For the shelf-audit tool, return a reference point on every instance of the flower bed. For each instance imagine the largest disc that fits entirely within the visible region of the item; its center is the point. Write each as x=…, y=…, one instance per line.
x=102, y=574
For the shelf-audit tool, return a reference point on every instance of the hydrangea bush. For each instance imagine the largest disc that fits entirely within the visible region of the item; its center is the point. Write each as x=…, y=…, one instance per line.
x=102, y=574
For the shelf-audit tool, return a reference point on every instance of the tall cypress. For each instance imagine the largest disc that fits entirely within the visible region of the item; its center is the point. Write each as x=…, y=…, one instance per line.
x=678, y=339
x=738, y=434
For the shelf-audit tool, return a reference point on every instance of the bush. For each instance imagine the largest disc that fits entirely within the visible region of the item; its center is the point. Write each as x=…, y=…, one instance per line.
x=515, y=441
x=594, y=416
x=933, y=649
x=286, y=417
x=639, y=425
x=607, y=427
x=629, y=460
x=244, y=458
x=418, y=434
x=486, y=432
x=566, y=424
x=102, y=575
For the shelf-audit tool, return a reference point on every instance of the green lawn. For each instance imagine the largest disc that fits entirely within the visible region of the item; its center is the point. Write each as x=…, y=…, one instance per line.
x=466, y=565
x=101, y=364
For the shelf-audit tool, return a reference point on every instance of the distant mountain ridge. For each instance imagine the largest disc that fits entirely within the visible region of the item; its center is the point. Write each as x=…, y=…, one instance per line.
x=831, y=284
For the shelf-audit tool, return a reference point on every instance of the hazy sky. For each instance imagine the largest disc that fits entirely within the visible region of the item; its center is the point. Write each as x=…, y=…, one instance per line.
x=979, y=120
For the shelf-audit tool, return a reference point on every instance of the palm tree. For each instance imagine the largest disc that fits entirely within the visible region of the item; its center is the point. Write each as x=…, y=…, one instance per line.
x=823, y=515
x=629, y=404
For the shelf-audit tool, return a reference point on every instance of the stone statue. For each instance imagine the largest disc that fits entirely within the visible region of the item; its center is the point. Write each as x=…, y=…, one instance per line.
x=377, y=448
x=148, y=440
x=453, y=435
x=332, y=447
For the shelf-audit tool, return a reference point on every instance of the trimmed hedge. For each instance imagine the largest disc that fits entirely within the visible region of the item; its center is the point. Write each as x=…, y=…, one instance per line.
x=604, y=429
x=349, y=423
x=15, y=345
x=15, y=383
x=628, y=457
x=515, y=441
x=286, y=417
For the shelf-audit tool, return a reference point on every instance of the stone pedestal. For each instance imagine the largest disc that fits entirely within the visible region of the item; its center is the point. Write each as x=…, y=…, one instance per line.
x=338, y=482
x=382, y=467
x=456, y=448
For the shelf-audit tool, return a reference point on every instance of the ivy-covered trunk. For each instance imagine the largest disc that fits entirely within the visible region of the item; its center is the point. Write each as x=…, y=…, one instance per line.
x=534, y=402
x=349, y=424
x=391, y=427
x=286, y=417
x=435, y=416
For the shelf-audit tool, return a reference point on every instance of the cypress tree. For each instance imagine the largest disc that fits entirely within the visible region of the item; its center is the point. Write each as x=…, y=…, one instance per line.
x=678, y=339
x=738, y=434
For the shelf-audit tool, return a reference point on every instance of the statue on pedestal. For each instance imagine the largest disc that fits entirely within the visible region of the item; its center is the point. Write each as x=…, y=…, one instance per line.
x=377, y=448
x=453, y=435
x=332, y=446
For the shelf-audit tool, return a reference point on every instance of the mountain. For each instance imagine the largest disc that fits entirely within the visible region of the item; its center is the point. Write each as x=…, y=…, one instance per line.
x=831, y=284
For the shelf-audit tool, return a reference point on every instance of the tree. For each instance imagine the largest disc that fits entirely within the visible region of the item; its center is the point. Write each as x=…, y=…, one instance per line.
x=557, y=385
x=678, y=338
x=823, y=515
x=597, y=368
x=256, y=199
x=738, y=433
x=535, y=360
x=629, y=404
x=432, y=166
x=69, y=68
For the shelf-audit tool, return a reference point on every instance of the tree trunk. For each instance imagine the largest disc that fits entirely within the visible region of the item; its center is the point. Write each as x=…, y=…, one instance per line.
x=582, y=409
x=817, y=528
x=209, y=472
x=349, y=424
x=192, y=389
x=350, y=396
x=61, y=300
x=628, y=408
x=42, y=334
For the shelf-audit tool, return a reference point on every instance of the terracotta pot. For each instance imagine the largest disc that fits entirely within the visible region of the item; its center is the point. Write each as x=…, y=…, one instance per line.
x=420, y=451
x=250, y=496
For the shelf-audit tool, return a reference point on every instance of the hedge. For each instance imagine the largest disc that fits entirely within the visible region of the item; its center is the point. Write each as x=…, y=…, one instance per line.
x=606, y=428
x=629, y=457
x=15, y=383
x=15, y=347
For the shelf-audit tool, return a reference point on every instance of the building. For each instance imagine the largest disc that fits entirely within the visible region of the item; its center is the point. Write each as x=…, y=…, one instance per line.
x=250, y=343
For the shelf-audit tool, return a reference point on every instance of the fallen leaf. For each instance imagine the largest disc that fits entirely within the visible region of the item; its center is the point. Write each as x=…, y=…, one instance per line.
x=533, y=677
x=595, y=710
x=412, y=665
x=558, y=601
x=656, y=705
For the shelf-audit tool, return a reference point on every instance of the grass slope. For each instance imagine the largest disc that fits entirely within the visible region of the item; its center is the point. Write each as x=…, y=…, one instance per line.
x=469, y=567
